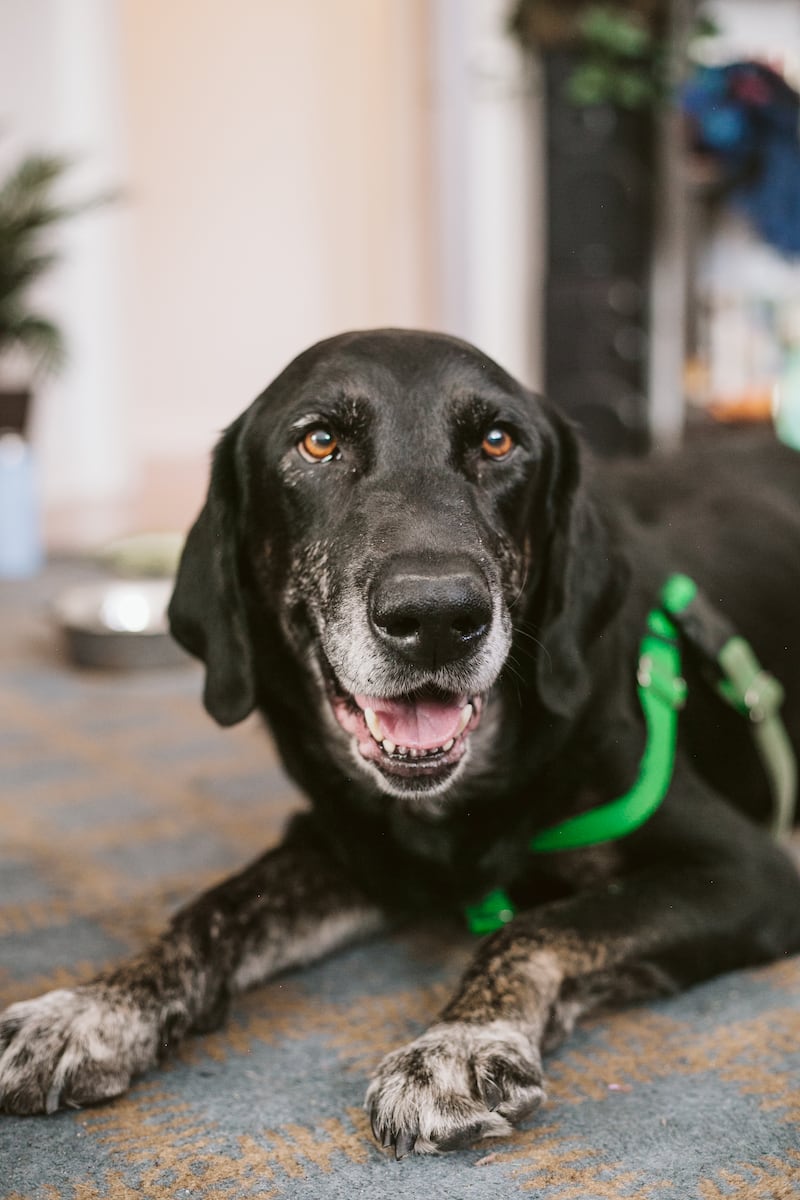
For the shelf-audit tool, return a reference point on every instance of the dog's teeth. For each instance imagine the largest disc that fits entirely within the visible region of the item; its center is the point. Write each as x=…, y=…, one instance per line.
x=464, y=719
x=402, y=751
x=388, y=746
x=449, y=745
x=373, y=724
x=413, y=753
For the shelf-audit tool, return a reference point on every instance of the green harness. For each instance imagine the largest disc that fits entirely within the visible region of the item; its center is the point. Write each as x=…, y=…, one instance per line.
x=740, y=681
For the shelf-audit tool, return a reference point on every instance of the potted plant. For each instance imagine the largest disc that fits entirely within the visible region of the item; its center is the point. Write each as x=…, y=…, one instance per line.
x=617, y=52
x=608, y=68
x=602, y=73
x=31, y=344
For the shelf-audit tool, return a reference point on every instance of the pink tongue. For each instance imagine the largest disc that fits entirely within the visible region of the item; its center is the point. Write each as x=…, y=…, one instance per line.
x=417, y=724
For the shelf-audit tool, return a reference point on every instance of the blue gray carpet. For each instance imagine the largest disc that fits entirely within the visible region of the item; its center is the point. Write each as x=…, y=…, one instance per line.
x=119, y=799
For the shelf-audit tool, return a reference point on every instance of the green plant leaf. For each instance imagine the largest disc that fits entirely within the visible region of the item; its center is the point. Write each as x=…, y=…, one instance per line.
x=29, y=210
x=590, y=83
x=39, y=337
x=616, y=31
x=17, y=271
x=32, y=180
x=634, y=90
x=704, y=26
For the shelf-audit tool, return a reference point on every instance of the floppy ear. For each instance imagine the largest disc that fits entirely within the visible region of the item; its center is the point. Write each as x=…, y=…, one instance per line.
x=582, y=584
x=206, y=612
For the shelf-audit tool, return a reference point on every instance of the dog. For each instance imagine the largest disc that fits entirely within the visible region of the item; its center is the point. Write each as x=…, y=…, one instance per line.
x=408, y=565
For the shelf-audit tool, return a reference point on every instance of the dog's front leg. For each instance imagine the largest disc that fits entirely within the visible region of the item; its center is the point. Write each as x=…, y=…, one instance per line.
x=84, y=1044
x=478, y=1069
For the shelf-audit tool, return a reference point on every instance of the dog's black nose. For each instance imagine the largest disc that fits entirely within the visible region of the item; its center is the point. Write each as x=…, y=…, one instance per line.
x=431, y=612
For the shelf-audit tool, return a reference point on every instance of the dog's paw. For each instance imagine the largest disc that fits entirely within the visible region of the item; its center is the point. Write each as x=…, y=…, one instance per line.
x=453, y=1085
x=71, y=1047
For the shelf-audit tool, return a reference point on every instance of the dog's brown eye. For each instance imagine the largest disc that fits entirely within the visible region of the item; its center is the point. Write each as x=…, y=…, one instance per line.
x=318, y=445
x=497, y=443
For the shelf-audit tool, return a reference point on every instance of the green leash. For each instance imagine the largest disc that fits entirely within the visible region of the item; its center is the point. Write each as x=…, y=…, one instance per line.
x=662, y=693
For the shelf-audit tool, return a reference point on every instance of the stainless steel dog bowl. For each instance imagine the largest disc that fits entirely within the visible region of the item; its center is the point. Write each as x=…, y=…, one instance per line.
x=120, y=624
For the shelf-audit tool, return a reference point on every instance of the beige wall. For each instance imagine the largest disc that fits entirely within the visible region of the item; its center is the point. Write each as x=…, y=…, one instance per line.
x=279, y=177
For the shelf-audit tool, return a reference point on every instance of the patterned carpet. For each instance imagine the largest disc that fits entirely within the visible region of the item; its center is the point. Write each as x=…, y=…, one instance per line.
x=119, y=798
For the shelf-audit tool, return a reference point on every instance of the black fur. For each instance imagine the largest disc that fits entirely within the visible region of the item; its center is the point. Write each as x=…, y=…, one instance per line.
x=276, y=593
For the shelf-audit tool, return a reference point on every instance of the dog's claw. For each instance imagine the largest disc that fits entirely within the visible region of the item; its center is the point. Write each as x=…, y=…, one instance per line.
x=382, y=1133
x=457, y=1083
x=491, y=1093
x=404, y=1145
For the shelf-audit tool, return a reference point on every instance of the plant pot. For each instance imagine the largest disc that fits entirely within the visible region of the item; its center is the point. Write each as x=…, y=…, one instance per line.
x=15, y=408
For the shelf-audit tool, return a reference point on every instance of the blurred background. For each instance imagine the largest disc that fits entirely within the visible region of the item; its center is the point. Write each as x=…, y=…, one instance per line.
x=604, y=198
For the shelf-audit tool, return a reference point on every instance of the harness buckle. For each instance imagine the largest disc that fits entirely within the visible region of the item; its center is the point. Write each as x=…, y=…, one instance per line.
x=672, y=689
x=492, y=912
x=764, y=697
x=747, y=685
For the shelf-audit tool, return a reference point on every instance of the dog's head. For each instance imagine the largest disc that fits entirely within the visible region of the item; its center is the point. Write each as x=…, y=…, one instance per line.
x=394, y=530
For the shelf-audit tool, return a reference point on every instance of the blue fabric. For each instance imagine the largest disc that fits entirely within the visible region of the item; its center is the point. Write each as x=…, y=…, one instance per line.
x=747, y=116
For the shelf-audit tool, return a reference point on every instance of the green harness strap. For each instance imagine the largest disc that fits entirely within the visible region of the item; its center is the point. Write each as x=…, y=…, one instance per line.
x=662, y=693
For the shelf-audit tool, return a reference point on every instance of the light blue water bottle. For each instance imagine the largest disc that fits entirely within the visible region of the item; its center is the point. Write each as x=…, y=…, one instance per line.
x=20, y=533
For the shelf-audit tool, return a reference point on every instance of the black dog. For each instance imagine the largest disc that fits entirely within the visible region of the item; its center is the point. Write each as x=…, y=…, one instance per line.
x=402, y=565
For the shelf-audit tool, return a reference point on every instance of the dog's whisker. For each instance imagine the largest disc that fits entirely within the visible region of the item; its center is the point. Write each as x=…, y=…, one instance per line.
x=518, y=632
x=521, y=589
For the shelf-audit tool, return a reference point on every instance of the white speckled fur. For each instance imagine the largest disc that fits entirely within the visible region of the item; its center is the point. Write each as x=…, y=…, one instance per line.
x=77, y=1044
x=432, y=1087
x=316, y=940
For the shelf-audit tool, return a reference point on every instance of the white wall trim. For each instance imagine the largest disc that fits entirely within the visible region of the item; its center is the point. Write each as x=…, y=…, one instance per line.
x=488, y=153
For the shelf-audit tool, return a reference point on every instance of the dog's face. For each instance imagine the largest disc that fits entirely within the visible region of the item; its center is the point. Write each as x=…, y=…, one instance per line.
x=399, y=464
x=391, y=503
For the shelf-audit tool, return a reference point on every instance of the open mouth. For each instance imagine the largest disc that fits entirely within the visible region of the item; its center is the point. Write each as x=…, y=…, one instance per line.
x=419, y=736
